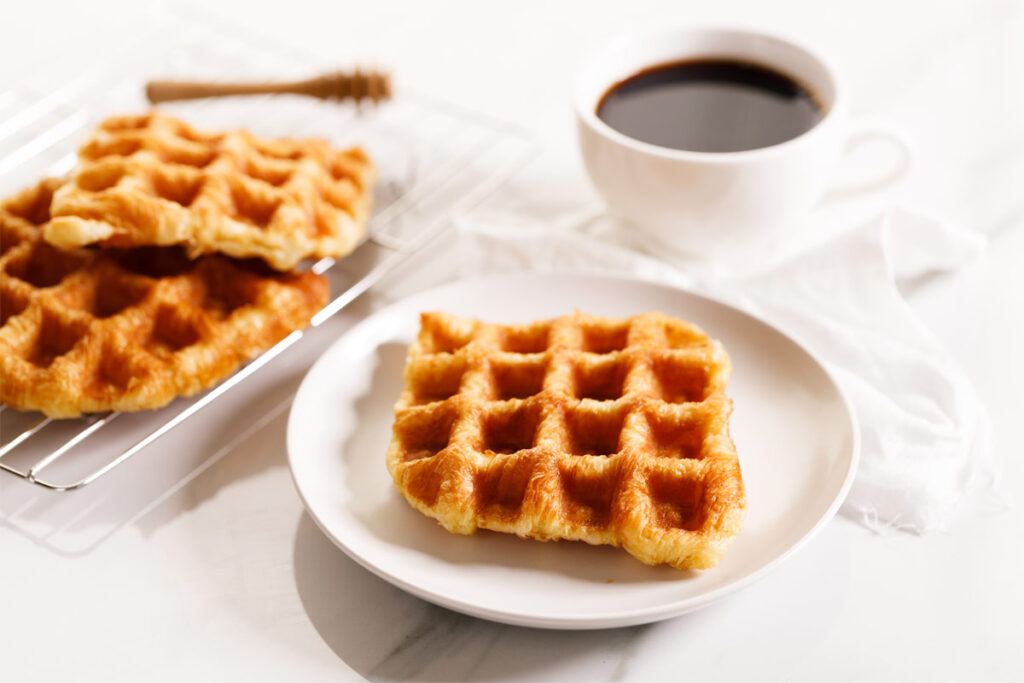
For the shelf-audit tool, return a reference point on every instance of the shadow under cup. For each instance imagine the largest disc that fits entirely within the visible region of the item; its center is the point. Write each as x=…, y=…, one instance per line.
x=709, y=205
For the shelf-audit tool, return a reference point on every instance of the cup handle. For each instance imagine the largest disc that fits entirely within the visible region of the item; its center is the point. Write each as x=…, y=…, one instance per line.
x=873, y=134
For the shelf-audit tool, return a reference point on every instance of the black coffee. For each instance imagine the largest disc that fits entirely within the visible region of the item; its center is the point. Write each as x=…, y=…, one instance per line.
x=710, y=105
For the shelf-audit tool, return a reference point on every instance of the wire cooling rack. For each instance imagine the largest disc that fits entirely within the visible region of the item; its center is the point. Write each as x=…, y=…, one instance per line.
x=434, y=159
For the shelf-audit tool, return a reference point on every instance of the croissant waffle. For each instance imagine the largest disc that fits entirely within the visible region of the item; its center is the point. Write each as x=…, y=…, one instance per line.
x=85, y=330
x=153, y=180
x=585, y=428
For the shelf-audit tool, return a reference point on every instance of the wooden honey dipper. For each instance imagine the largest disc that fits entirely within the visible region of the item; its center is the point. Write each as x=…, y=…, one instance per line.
x=340, y=85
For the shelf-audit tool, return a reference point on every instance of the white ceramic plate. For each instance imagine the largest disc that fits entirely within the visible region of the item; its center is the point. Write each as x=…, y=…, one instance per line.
x=793, y=431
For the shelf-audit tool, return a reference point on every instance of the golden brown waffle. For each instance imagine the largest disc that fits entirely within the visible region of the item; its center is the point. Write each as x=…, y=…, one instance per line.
x=607, y=431
x=85, y=330
x=153, y=180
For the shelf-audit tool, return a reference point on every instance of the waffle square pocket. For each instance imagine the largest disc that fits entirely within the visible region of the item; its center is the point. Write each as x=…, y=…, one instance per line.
x=608, y=431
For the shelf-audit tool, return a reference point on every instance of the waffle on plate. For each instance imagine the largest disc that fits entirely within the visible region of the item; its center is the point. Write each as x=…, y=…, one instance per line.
x=609, y=431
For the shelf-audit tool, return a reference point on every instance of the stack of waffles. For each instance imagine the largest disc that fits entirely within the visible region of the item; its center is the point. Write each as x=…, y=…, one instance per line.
x=168, y=258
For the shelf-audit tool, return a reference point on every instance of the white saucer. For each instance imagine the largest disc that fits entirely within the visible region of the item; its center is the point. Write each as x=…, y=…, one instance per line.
x=792, y=426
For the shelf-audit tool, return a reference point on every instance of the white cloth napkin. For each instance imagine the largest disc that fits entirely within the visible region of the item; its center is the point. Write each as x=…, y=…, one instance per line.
x=925, y=437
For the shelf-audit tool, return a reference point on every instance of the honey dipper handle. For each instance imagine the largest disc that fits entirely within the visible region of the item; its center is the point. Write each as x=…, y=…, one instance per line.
x=355, y=85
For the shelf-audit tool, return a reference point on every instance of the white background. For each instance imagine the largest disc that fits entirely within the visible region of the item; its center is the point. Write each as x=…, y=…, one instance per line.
x=225, y=577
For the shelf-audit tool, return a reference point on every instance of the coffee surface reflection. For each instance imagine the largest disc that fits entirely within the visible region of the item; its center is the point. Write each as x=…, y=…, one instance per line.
x=710, y=105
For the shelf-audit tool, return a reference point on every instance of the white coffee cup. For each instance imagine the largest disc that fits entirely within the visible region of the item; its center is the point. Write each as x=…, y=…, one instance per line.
x=710, y=204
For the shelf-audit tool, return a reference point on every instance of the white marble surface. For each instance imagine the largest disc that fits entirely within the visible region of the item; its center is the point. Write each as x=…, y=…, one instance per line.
x=198, y=561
